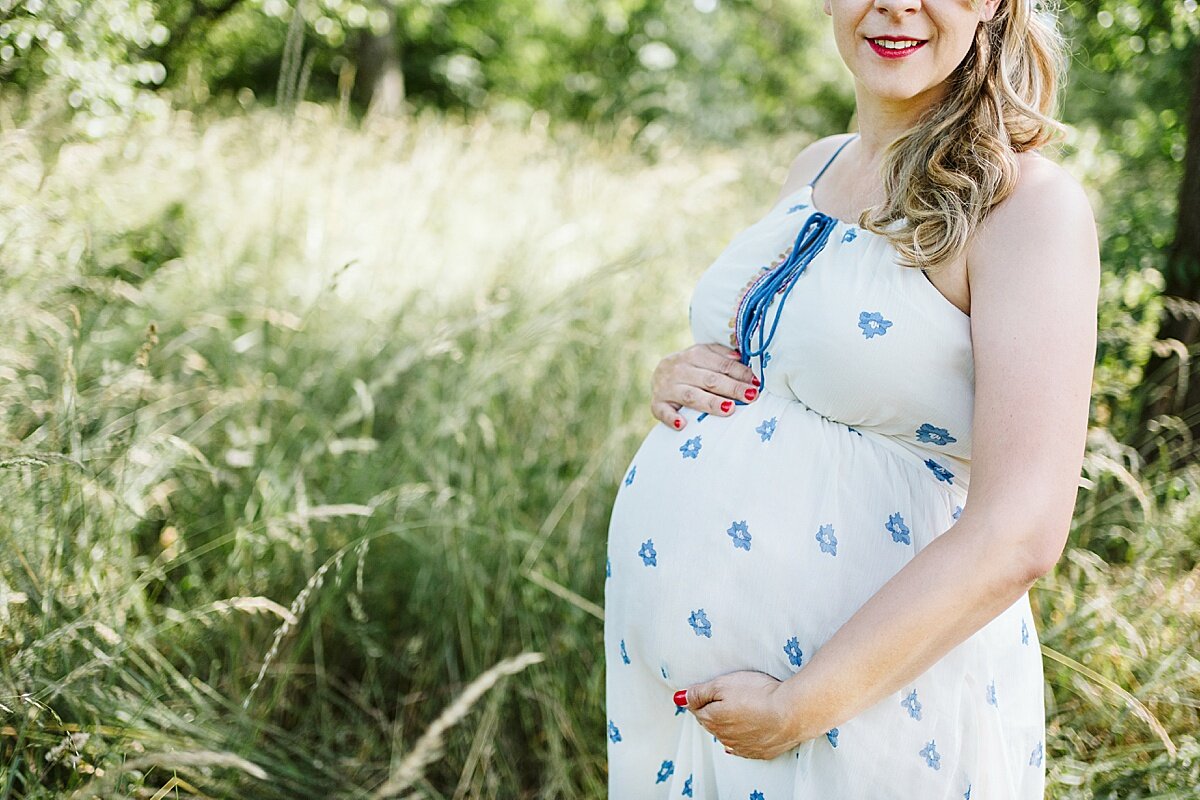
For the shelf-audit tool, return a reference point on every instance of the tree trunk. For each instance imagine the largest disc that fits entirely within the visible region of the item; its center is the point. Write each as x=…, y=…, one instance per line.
x=1177, y=391
x=382, y=83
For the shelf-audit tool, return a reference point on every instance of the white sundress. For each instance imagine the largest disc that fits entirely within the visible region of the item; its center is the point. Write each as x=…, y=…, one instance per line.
x=745, y=542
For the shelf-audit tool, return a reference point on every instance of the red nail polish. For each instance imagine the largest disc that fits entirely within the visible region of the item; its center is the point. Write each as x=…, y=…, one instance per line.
x=681, y=698
x=756, y=381
x=751, y=394
x=725, y=406
x=678, y=423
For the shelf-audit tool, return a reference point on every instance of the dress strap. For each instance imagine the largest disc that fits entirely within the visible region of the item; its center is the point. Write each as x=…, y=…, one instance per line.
x=832, y=157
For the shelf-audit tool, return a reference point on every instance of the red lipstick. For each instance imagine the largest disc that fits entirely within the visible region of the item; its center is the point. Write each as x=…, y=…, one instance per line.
x=893, y=51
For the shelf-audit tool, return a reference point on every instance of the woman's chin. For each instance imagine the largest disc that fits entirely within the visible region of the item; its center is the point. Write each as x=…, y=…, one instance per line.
x=893, y=91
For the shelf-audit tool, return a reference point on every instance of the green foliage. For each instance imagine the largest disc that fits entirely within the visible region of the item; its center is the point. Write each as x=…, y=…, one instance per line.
x=1132, y=59
x=720, y=67
x=84, y=57
x=369, y=449
x=1128, y=98
x=393, y=375
x=342, y=417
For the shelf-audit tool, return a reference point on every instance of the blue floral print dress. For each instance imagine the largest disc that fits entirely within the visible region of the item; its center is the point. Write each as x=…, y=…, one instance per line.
x=745, y=542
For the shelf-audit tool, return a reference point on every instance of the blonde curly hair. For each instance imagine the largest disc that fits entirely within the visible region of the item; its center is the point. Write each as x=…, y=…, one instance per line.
x=945, y=174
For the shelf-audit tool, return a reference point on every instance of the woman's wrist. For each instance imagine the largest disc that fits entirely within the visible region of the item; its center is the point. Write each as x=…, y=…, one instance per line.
x=808, y=713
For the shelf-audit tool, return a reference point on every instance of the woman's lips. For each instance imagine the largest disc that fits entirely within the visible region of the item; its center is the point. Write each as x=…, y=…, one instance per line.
x=893, y=51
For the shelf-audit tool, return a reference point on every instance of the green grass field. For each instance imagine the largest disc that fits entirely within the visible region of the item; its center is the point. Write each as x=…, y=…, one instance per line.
x=308, y=437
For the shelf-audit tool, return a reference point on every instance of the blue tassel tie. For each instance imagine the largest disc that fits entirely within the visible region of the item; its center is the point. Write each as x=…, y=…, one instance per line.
x=753, y=312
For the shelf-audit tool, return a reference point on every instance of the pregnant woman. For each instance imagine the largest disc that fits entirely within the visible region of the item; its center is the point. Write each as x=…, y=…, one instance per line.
x=800, y=601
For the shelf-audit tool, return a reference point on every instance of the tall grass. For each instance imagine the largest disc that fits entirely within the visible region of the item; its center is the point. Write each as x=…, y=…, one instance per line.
x=308, y=441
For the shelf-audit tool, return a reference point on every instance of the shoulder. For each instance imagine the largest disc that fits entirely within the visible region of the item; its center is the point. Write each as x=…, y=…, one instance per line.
x=1047, y=205
x=809, y=161
x=1037, y=251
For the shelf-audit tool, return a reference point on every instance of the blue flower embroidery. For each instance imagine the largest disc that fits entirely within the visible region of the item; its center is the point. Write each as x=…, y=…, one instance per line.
x=794, y=654
x=691, y=448
x=956, y=512
x=679, y=709
x=649, y=556
x=991, y=693
x=967, y=793
x=827, y=539
x=613, y=733
x=849, y=235
x=912, y=704
x=757, y=795
x=766, y=358
x=624, y=654
x=1035, y=758
x=687, y=786
x=873, y=324
x=665, y=770
x=1024, y=633
x=700, y=624
x=832, y=735
x=740, y=534
x=895, y=526
x=629, y=477
x=934, y=435
x=932, y=757
x=941, y=472
x=799, y=207
x=767, y=429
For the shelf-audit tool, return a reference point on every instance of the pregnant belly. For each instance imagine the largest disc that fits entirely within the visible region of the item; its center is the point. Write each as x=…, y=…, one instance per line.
x=745, y=542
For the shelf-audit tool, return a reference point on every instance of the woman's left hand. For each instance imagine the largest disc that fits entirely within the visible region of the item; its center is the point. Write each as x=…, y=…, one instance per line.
x=749, y=712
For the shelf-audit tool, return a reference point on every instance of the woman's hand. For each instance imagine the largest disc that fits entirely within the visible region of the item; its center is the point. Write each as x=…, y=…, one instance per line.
x=749, y=712
x=706, y=377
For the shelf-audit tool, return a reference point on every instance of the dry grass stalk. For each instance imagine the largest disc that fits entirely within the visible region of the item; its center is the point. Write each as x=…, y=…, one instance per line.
x=429, y=747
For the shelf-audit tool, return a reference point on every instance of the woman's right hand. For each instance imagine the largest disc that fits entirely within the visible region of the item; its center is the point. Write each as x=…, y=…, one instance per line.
x=706, y=377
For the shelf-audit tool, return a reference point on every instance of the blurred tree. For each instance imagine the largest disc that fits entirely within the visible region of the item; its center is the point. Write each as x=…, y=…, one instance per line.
x=378, y=64
x=82, y=61
x=1136, y=80
x=1182, y=322
x=720, y=68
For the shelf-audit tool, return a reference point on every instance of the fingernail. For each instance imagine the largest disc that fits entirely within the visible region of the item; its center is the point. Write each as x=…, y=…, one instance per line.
x=725, y=406
x=681, y=698
x=678, y=423
x=756, y=381
x=751, y=394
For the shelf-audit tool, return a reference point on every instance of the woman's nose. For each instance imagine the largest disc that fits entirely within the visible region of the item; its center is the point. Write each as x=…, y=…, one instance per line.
x=898, y=8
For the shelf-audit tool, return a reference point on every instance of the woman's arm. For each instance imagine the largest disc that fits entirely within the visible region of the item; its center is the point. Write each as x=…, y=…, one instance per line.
x=1034, y=273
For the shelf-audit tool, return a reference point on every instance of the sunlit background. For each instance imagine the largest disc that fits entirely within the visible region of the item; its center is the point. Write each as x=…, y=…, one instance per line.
x=326, y=331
